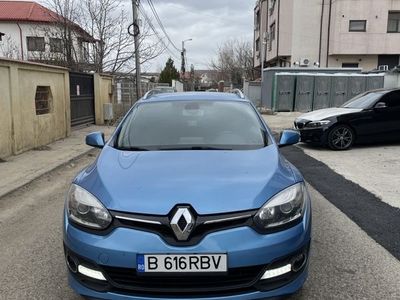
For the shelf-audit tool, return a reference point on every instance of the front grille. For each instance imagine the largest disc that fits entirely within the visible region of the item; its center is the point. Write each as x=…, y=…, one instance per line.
x=204, y=225
x=237, y=280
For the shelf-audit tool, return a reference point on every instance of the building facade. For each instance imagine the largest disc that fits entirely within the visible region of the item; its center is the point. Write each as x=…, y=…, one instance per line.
x=327, y=33
x=31, y=32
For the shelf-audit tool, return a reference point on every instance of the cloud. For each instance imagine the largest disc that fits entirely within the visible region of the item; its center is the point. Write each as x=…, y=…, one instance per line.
x=208, y=23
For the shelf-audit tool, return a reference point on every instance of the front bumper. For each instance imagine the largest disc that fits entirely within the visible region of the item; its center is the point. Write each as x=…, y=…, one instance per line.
x=317, y=136
x=250, y=254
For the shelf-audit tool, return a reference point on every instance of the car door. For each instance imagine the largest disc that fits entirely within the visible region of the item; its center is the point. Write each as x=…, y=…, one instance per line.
x=387, y=117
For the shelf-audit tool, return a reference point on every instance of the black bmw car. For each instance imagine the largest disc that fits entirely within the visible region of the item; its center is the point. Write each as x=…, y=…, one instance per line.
x=371, y=117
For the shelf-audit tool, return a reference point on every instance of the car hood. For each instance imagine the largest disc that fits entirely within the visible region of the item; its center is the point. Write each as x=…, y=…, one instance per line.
x=326, y=113
x=153, y=182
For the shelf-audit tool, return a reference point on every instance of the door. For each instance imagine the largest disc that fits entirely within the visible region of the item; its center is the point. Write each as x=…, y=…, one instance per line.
x=82, y=99
x=357, y=85
x=322, y=92
x=380, y=124
x=339, y=90
x=388, y=118
x=304, y=93
x=284, y=95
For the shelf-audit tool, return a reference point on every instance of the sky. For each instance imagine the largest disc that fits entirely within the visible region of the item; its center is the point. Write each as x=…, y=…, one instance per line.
x=208, y=22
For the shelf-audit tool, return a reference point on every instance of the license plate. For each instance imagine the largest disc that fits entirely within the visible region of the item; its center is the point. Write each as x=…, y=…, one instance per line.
x=182, y=263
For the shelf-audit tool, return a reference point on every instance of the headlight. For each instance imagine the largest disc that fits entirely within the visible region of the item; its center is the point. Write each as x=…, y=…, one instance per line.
x=84, y=209
x=317, y=124
x=283, y=208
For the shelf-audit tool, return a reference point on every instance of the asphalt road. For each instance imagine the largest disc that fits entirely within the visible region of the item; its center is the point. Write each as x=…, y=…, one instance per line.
x=345, y=262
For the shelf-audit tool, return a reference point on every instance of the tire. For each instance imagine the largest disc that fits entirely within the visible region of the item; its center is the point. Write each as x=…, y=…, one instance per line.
x=341, y=137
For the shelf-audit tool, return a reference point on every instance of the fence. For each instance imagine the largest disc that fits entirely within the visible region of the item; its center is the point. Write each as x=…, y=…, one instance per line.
x=306, y=92
x=125, y=93
x=34, y=105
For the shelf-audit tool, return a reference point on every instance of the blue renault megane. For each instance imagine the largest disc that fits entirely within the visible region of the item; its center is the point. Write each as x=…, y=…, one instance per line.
x=189, y=199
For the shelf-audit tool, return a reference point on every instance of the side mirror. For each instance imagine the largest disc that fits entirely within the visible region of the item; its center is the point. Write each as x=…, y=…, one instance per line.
x=289, y=137
x=380, y=105
x=95, y=139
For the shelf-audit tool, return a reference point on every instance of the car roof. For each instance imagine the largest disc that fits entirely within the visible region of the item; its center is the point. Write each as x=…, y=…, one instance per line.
x=383, y=90
x=198, y=96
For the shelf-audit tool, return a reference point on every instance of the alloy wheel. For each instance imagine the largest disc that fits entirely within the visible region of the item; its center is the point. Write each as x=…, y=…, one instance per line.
x=341, y=138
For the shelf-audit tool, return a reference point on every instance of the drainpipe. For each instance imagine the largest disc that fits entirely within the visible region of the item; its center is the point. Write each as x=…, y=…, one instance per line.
x=320, y=32
x=20, y=38
x=329, y=33
x=277, y=33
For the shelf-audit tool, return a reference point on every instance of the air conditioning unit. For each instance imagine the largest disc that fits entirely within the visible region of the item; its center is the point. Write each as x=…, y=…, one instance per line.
x=383, y=68
x=304, y=62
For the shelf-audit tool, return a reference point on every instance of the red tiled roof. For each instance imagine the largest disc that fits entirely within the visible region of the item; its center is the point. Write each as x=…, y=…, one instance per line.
x=27, y=11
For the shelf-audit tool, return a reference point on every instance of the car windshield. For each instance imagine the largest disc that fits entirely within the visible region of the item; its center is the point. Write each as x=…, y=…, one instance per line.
x=363, y=101
x=192, y=125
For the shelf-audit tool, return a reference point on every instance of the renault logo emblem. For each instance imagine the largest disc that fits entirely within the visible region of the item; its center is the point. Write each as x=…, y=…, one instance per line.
x=182, y=223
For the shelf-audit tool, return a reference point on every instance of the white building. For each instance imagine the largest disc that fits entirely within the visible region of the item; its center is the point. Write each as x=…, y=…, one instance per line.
x=29, y=31
x=329, y=33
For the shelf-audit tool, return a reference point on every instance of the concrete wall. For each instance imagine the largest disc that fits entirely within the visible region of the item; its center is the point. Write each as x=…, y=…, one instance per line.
x=21, y=128
x=392, y=80
x=375, y=40
x=103, y=93
x=301, y=35
x=365, y=62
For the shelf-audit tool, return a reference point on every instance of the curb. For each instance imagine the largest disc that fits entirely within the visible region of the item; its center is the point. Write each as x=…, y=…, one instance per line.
x=63, y=164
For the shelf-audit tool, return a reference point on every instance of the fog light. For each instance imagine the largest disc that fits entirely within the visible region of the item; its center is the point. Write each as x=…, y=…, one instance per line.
x=277, y=272
x=91, y=273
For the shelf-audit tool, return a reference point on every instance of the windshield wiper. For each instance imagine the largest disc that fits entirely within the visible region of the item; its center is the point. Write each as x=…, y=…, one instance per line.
x=132, y=149
x=195, y=148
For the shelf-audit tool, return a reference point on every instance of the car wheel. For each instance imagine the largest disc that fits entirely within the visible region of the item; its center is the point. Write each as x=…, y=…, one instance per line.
x=341, y=137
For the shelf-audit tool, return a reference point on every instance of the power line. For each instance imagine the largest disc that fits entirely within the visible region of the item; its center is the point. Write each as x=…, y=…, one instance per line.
x=149, y=22
x=153, y=9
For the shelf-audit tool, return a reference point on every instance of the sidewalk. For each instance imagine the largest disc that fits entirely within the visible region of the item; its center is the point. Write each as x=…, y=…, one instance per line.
x=20, y=170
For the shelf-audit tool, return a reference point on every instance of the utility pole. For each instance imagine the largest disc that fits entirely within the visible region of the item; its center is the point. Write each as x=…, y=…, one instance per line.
x=183, y=54
x=136, y=36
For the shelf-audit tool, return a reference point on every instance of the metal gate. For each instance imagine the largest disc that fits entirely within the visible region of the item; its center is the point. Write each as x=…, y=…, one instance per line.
x=82, y=98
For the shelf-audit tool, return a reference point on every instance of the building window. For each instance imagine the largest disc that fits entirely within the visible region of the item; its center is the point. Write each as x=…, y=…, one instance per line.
x=272, y=30
x=257, y=20
x=56, y=45
x=258, y=45
x=1, y=36
x=393, y=22
x=35, y=43
x=272, y=7
x=43, y=100
x=358, y=26
x=349, y=65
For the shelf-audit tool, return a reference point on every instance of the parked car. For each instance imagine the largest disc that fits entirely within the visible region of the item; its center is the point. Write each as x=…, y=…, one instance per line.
x=159, y=90
x=373, y=116
x=190, y=198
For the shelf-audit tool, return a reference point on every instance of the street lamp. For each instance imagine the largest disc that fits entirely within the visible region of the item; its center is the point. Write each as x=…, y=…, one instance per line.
x=183, y=53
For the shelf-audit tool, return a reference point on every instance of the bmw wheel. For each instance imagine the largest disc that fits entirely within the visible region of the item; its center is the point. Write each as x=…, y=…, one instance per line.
x=341, y=137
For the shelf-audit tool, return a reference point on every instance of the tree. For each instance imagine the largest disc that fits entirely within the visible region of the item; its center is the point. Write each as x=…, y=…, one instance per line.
x=169, y=73
x=101, y=28
x=234, y=61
